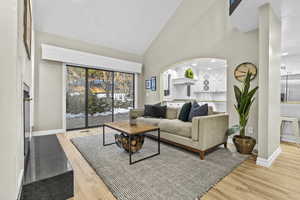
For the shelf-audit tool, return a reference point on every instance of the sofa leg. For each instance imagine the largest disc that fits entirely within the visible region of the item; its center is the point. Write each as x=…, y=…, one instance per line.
x=202, y=155
x=225, y=145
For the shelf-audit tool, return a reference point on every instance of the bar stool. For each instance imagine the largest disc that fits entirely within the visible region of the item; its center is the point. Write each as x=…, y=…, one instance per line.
x=295, y=125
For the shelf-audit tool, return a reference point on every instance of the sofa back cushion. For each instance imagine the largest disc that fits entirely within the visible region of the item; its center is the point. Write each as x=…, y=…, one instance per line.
x=171, y=113
x=155, y=111
x=185, y=111
x=210, y=110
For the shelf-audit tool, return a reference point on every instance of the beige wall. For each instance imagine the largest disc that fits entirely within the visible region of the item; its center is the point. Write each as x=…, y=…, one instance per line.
x=269, y=82
x=15, y=68
x=48, y=78
x=201, y=28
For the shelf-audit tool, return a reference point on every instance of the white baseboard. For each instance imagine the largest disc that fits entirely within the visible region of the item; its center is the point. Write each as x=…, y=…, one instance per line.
x=268, y=162
x=19, y=186
x=48, y=132
x=290, y=138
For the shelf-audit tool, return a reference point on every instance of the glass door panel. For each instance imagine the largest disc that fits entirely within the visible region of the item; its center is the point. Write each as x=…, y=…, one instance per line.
x=99, y=105
x=123, y=95
x=75, y=98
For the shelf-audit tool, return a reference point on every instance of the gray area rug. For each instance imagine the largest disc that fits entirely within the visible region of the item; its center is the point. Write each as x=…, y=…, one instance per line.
x=175, y=174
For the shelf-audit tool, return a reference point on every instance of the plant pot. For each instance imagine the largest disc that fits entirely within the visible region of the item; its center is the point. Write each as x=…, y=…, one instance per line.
x=244, y=145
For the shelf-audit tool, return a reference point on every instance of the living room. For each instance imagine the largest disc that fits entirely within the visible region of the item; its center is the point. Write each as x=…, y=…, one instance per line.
x=177, y=99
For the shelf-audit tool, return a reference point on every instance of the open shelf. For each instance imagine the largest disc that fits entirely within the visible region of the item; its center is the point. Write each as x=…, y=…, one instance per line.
x=184, y=81
x=208, y=92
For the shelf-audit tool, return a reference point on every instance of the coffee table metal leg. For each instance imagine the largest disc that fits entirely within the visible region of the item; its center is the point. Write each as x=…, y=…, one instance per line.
x=145, y=158
x=158, y=140
x=130, y=153
x=103, y=133
x=104, y=138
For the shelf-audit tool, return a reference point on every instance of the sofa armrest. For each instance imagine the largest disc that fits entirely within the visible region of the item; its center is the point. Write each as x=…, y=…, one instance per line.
x=210, y=130
x=139, y=112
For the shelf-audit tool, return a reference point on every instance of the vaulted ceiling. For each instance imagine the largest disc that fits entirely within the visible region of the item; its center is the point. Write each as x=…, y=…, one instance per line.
x=126, y=25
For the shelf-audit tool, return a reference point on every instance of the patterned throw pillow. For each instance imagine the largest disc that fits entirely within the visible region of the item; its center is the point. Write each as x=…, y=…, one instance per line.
x=197, y=111
x=155, y=111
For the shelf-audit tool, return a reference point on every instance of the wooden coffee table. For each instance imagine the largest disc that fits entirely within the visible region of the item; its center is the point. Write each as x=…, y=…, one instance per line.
x=132, y=130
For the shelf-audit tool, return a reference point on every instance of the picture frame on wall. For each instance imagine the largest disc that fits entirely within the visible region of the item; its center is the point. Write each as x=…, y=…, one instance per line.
x=153, y=83
x=27, y=27
x=148, y=84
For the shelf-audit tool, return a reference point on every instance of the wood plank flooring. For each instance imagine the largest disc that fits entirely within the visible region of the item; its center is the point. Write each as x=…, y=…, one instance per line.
x=246, y=182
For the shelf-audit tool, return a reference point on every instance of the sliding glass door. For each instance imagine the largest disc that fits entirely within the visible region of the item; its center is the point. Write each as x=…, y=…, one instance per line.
x=75, y=98
x=123, y=95
x=97, y=96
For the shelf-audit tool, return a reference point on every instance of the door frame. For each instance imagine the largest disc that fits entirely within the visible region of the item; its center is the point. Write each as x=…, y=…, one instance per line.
x=64, y=93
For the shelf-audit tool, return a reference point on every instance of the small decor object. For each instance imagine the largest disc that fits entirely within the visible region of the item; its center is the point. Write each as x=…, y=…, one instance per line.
x=153, y=83
x=241, y=71
x=244, y=99
x=206, y=85
x=137, y=142
x=189, y=73
x=148, y=84
x=133, y=117
x=27, y=27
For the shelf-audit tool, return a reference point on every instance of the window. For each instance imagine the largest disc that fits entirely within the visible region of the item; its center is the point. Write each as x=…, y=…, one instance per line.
x=233, y=5
x=97, y=96
x=290, y=88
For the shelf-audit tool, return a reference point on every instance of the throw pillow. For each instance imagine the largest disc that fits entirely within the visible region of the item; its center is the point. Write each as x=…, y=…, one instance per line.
x=195, y=105
x=197, y=111
x=149, y=111
x=155, y=111
x=185, y=111
x=171, y=113
x=160, y=111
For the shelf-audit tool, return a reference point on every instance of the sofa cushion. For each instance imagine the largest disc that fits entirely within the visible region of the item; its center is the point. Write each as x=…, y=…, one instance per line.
x=185, y=111
x=211, y=110
x=171, y=113
x=148, y=120
x=176, y=127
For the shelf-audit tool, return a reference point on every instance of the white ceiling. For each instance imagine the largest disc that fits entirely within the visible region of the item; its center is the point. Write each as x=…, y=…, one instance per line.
x=126, y=25
x=291, y=35
x=245, y=17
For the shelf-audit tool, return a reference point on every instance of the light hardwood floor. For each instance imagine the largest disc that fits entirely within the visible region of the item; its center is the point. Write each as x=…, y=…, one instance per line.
x=246, y=182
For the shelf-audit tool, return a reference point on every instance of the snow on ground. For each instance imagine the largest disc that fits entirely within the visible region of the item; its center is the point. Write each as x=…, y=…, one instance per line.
x=116, y=111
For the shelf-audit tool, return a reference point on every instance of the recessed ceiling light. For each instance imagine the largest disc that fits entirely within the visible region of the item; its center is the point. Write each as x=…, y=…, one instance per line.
x=194, y=64
x=213, y=60
x=285, y=53
x=209, y=68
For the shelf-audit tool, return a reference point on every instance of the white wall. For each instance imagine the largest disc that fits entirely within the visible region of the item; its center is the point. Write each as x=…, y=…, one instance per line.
x=48, y=78
x=202, y=29
x=15, y=68
x=269, y=82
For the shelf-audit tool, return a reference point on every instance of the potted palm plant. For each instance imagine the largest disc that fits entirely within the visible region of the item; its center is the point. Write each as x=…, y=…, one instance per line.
x=244, y=100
